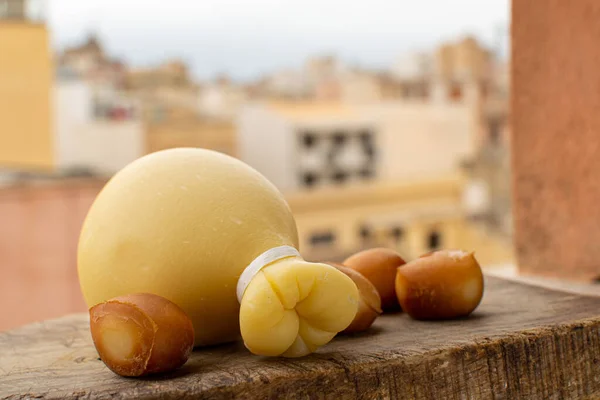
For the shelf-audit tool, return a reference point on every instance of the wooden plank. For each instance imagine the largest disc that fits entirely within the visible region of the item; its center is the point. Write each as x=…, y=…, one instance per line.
x=523, y=342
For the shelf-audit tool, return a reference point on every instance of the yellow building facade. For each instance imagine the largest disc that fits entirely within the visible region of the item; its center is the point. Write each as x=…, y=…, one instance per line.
x=374, y=175
x=26, y=72
x=412, y=217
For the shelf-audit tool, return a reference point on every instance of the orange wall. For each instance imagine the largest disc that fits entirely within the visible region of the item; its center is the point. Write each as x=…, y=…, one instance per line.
x=25, y=84
x=39, y=230
x=555, y=116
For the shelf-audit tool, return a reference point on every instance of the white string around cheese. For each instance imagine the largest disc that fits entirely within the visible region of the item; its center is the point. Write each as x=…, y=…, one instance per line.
x=266, y=258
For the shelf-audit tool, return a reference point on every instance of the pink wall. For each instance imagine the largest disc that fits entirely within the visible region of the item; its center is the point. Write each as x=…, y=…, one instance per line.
x=556, y=137
x=39, y=229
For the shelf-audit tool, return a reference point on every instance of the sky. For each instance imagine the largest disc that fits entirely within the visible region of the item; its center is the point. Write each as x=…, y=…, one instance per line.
x=248, y=38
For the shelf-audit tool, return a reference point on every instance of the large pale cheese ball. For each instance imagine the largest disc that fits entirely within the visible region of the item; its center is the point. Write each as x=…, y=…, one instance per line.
x=183, y=224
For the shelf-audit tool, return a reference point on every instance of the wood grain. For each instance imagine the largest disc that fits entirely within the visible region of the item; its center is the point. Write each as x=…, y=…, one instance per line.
x=523, y=342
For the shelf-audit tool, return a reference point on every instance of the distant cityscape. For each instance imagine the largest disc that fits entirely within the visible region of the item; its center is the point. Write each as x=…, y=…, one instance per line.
x=414, y=158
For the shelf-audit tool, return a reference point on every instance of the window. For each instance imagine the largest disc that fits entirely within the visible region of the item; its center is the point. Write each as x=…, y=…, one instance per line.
x=397, y=233
x=120, y=113
x=339, y=138
x=456, y=93
x=366, y=173
x=308, y=139
x=335, y=156
x=309, y=179
x=434, y=240
x=322, y=239
x=366, y=137
x=364, y=232
x=110, y=110
x=340, y=177
x=494, y=131
x=369, y=150
x=368, y=147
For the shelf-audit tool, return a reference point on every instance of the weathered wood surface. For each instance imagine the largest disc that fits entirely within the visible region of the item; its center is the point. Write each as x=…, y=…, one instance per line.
x=523, y=342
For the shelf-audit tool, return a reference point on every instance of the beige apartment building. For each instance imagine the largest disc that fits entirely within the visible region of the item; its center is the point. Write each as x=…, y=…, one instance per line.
x=315, y=144
x=365, y=175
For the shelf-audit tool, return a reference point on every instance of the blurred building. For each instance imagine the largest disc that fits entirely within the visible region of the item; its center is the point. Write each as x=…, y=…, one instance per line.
x=489, y=169
x=170, y=127
x=90, y=62
x=171, y=74
x=221, y=100
x=53, y=124
x=465, y=71
x=317, y=79
x=381, y=174
x=322, y=76
x=413, y=216
x=322, y=68
x=414, y=159
x=97, y=132
x=464, y=60
x=177, y=112
x=464, y=68
x=360, y=87
x=392, y=89
x=452, y=66
x=284, y=84
x=413, y=66
x=26, y=72
x=64, y=120
x=413, y=73
x=319, y=144
x=162, y=102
